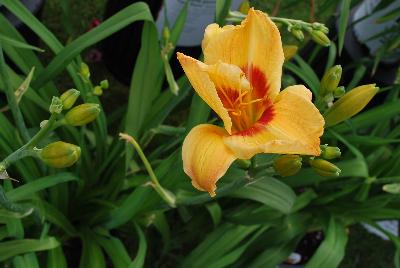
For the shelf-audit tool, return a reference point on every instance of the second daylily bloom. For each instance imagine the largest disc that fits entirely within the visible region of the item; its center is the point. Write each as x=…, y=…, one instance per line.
x=240, y=80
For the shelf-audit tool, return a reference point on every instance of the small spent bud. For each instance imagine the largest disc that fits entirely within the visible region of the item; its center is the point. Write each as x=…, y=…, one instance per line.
x=297, y=33
x=330, y=152
x=60, y=154
x=243, y=163
x=350, y=104
x=287, y=165
x=244, y=7
x=289, y=51
x=85, y=71
x=320, y=38
x=43, y=123
x=69, y=97
x=324, y=168
x=166, y=33
x=56, y=106
x=393, y=188
x=330, y=80
x=104, y=84
x=339, y=92
x=98, y=90
x=82, y=114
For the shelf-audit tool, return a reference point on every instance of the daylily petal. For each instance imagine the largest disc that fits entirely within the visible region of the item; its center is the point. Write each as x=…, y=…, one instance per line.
x=299, y=90
x=205, y=156
x=255, y=46
x=196, y=72
x=294, y=127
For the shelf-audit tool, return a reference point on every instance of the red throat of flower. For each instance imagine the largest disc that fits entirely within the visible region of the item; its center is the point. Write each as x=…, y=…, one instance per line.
x=248, y=109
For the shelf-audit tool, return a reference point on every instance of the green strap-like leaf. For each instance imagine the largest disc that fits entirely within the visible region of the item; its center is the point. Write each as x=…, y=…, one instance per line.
x=331, y=251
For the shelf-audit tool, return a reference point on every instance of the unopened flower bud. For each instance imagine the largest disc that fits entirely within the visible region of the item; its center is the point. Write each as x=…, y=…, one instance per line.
x=350, y=104
x=244, y=7
x=339, y=92
x=393, y=188
x=321, y=27
x=56, y=106
x=69, y=97
x=287, y=165
x=60, y=154
x=98, y=91
x=84, y=71
x=324, y=168
x=298, y=34
x=320, y=38
x=166, y=33
x=330, y=152
x=82, y=114
x=43, y=123
x=243, y=163
x=104, y=84
x=330, y=80
x=289, y=51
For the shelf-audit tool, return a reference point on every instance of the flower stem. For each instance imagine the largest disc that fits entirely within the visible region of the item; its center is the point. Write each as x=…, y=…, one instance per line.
x=27, y=149
x=167, y=196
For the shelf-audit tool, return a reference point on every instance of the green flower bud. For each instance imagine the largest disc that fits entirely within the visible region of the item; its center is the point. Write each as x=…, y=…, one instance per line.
x=320, y=38
x=82, y=114
x=330, y=80
x=104, y=84
x=350, y=104
x=60, y=154
x=287, y=165
x=393, y=188
x=56, y=106
x=166, y=33
x=324, y=168
x=98, y=91
x=289, y=51
x=321, y=27
x=244, y=7
x=85, y=71
x=339, y=92
x=297, y=33
x=330, y=152
x=243, y=163
x=69, y=97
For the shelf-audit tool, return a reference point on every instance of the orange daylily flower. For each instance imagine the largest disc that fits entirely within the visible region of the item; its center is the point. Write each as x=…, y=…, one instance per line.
x=240, y=80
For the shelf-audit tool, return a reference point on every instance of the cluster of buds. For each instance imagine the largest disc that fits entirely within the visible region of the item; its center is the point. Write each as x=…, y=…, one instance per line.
x=317, y=31
x=322, y=166
x=98, y=90
x=289, y=165
x=348, y=104
x=61, y=154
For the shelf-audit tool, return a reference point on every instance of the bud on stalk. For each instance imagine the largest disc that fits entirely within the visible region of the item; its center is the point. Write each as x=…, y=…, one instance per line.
x=289, y=51
x=244, y=7
x=330, y=152
x=350, y=104
x=320, y=38
x=82, y=114
x=330, y=80
x=339, y=92
x=60, y=154
x=69, y=97
x=324, y=168
x=287, y=165
x=298, y=34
